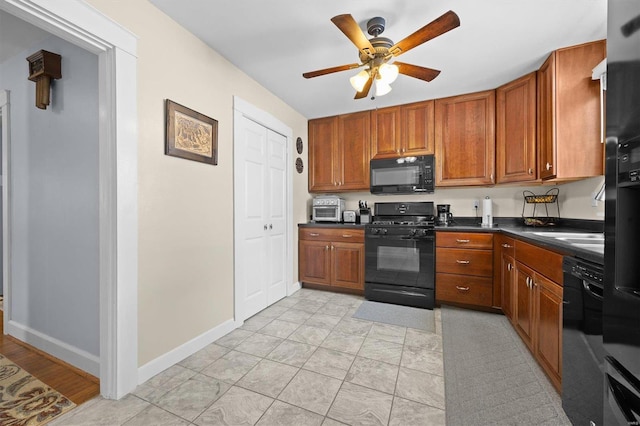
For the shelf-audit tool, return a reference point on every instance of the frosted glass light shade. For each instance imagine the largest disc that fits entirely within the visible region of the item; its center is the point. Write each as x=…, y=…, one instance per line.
x=359, y=80
x=382, y=88
x=388, y=73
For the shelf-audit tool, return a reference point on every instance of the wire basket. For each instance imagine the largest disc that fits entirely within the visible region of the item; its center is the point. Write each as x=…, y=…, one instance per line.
x=550, y=197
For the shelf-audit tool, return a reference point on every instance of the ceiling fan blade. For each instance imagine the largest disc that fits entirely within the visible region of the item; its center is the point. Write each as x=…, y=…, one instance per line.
x=365, y=90
x=426, y=74
x=439, y=26
x=325, y=71
x=352, y=30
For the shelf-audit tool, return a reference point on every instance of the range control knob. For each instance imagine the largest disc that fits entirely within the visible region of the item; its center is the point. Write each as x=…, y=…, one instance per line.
x=384, y=231
x=413, y=232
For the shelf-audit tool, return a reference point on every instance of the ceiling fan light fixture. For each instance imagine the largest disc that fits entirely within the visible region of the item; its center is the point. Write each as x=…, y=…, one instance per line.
x=382, y=88
x=388, y=73
x=359, y=80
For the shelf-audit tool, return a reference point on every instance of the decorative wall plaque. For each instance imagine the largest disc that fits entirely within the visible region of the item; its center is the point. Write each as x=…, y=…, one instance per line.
x=299, y=165
x=299, y=145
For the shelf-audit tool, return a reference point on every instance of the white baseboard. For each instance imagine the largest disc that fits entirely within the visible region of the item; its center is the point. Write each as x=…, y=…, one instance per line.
x=293, y=287
x=176, y=355
x=57, y=348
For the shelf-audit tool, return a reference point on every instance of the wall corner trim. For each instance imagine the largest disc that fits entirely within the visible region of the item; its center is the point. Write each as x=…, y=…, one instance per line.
x=176, y=355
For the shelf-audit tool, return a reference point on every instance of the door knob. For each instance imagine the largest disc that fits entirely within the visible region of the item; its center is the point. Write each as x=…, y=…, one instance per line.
x=270, y=226
x=265, y=227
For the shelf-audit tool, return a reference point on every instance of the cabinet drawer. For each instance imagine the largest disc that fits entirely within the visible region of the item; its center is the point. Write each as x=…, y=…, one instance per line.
x=507, y=246
x=465, y=262
x=464, y=240
x=464, y=289
x=347, y=235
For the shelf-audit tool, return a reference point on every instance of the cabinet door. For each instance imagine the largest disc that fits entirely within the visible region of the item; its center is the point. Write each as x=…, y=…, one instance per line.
x=546, y=118
x=323, y=140
x=314, y=262
x=465, y=139
x=524, y=304
x=347, y=261
x=385, y=138
x=549, y=326
x=418, y=128
x=577, y=117
x=507, y=273
x=354, y=151
x=516, y=130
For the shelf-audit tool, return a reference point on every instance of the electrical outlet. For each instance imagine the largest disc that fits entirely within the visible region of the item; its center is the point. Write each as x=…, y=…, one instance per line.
x=476, y=204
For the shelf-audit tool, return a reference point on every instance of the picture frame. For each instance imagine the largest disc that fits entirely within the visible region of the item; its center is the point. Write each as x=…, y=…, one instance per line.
x=190, y=135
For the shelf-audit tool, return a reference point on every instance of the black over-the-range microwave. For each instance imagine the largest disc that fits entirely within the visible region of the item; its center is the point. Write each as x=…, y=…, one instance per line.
x=406, y=175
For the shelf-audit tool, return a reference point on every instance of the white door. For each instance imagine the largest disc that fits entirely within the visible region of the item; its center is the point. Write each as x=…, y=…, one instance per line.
x=261, y=200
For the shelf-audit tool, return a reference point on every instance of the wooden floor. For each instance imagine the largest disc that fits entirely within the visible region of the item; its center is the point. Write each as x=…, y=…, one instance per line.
x=73, y=383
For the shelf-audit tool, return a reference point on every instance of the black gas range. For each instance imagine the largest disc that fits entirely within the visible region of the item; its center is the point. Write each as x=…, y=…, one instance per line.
x=400, y=254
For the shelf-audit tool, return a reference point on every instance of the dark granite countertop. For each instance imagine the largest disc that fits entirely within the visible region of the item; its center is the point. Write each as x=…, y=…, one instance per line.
x=513, y=227
x=331, y=225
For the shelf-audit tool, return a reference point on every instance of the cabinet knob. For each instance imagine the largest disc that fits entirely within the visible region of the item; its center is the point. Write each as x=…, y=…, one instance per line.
x=530, y=171
x=509, y=267
x=505, y=245
x=462, y=241
x=549, y=166
x=463, y=262
x=332, y=247
x=326, y=247
x=346, y=236
x=462, y=288
x=313, y=234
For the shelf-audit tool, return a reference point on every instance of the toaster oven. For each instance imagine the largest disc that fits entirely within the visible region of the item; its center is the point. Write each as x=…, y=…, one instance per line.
x=327, y=208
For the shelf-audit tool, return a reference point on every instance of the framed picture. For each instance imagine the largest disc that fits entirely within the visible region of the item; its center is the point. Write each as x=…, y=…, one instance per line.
x=190, y=135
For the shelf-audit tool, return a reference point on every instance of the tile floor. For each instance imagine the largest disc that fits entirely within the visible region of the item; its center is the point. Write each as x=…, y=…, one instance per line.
x=302, y=361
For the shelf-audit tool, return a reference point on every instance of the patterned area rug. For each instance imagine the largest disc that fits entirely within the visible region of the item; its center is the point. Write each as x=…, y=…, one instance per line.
x=25, y=400
x=490, y=376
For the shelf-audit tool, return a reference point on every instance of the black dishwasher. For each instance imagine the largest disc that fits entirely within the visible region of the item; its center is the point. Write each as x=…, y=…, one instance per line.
x=582, y=349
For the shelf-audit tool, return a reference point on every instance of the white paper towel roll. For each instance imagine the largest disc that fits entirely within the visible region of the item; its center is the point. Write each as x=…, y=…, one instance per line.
x=487, y=212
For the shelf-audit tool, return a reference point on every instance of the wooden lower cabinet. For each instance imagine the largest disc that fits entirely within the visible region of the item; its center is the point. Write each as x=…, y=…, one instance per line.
x=331, y=257
x=537, y=305
x=504, y=279
x=548, y=301
x=524, y=318
x=464, y=268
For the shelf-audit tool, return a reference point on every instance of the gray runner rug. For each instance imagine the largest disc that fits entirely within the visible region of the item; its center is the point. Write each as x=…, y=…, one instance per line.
x=490, y=376
x=404, y=316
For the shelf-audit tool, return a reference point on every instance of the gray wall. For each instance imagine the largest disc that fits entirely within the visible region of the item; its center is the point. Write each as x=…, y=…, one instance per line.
x=54, y=204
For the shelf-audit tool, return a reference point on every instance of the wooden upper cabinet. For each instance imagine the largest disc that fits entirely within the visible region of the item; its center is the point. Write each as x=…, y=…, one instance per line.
x=354, y=151
x=323, y=141
x=569, y=113
x=465, y=139
x=339, y=153
x=385, y=137
x=405, y=130
x=516, y=130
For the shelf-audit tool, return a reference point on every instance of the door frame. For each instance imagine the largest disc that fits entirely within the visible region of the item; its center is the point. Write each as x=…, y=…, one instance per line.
x=242, y=108
x=79, y=23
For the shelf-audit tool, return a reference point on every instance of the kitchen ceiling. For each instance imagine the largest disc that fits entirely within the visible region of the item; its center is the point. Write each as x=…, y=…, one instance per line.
x=275, y=41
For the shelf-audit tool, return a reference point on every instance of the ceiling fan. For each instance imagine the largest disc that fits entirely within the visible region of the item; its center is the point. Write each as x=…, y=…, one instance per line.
x=375, y=53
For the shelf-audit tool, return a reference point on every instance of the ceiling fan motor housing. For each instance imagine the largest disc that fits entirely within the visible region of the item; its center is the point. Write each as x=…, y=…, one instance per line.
x=375, y=26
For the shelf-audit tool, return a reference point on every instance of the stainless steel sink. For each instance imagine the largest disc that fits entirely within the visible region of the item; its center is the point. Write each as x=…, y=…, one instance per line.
x=586, y=240
x=572, y=235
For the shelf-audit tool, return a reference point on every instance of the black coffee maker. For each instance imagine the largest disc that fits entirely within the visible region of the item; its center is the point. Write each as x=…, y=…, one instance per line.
x=444, y=215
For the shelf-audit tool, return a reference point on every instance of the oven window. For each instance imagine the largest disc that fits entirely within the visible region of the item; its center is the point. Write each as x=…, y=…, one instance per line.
x=395, y=176
x=403, y=259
